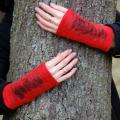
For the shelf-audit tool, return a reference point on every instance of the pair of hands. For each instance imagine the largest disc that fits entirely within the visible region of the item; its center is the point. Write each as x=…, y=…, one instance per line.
x=61, y=67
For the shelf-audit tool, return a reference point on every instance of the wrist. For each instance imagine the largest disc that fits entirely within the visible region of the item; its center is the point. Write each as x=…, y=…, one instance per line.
x=28, y=87
x=79, y=29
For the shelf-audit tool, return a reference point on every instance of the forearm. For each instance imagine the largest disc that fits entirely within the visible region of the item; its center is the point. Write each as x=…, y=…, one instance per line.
x=104, y=37
x=79, y=29
x=25, y=89
x=36, y=82
x=73, y=26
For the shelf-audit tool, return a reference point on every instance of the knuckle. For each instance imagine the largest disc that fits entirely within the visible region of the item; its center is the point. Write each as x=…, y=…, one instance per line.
x=61, y=71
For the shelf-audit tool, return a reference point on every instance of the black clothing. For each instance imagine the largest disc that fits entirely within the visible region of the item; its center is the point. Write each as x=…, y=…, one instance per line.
x=3, y=109
x=7, y=6
x=116, y=28
x=5, y=26
x=117, y=16
x=115, y=101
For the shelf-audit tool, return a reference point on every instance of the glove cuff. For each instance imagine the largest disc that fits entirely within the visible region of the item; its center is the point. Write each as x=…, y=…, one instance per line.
x=28, y=87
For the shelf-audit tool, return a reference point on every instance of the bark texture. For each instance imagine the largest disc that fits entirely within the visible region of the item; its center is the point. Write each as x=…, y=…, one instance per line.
x=87, y=95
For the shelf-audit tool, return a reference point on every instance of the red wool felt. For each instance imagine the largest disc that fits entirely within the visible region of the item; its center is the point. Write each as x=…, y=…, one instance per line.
x=28, y=87
x=79, y=29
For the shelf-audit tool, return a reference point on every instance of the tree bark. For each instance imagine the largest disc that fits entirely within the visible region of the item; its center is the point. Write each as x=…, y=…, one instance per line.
x=87, y=95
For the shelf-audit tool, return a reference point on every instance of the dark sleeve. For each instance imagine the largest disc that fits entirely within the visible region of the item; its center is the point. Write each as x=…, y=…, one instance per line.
x=3, y=109
x=4, y=49
x=5, y=27
x=117, y=16
x=6, y=5
x=4, y=61
x=116, y=29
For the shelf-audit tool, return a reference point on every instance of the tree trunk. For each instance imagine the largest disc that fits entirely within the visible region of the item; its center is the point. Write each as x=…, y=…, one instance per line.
x=87, y=95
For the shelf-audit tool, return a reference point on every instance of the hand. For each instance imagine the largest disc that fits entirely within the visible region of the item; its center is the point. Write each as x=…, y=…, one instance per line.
x=74, y=27
x=62, y=66
x=39, y=80
x=49, y=17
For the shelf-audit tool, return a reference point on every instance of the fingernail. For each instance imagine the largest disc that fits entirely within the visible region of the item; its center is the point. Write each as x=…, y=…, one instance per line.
x=37, y=22
x=74, y=53
x=36, y=8
x=58, y=53
x=40, y=3
x=36, y=14
x=52, y=3
x=70, y=50
x=76, y=59
x=75, y=69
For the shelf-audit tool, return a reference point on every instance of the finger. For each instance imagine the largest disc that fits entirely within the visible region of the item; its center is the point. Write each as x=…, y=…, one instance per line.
x=58, y=58
x=68, y=75
x=66, y=69
x=46, y=23
x=58, y=7
x=63, y=63
x=46, y=28
x=50, y=10
x=70, y=65
x=42, y=13
x=47, y=16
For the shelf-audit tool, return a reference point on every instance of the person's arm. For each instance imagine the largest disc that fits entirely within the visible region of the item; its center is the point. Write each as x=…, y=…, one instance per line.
x=117, y=16
x=6, y=5
x=67, y=23
x=4, y=60
x=44, y=77
x=36, y=82
x=5, y=27
x=4, y=49
x=115, y=51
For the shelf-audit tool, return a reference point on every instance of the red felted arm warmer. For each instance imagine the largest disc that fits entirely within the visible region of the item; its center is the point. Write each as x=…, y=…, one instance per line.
x=28, y=87
x=76, y=28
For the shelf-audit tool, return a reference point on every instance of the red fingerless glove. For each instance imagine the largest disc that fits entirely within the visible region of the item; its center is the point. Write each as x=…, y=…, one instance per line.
x=76, y=28
x=28, y=87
